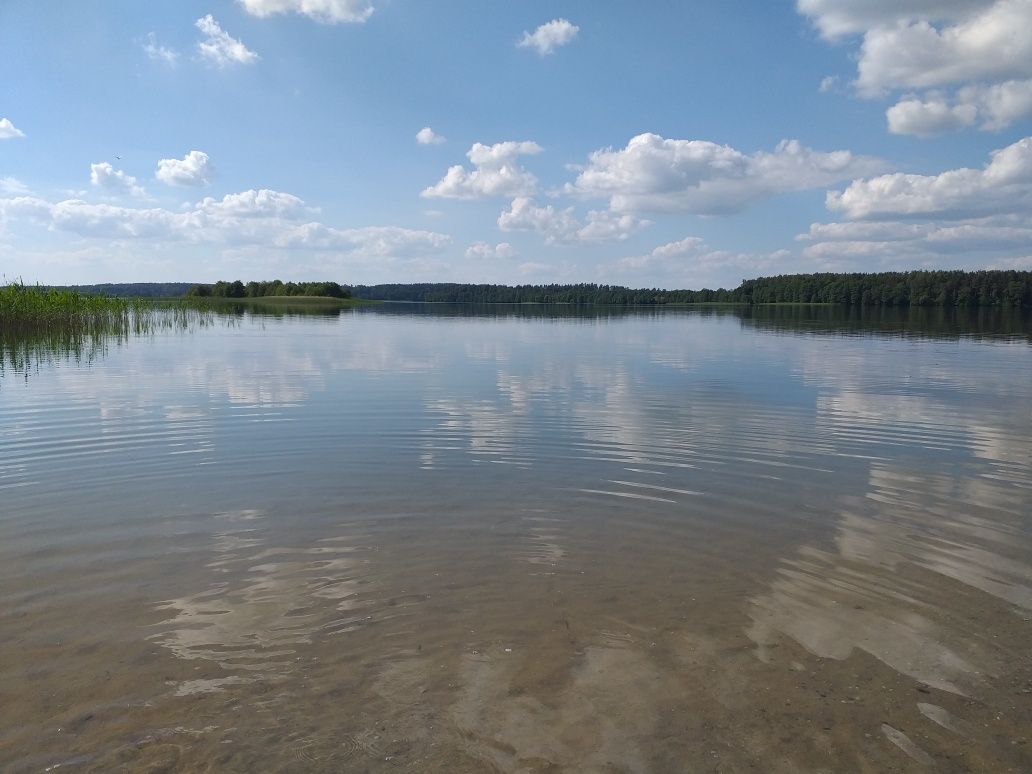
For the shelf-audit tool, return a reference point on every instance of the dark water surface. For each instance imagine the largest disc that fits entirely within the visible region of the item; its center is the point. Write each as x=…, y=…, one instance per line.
x=447, y=539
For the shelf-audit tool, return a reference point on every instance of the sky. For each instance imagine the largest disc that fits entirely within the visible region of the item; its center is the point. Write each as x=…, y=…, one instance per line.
x=674, y=143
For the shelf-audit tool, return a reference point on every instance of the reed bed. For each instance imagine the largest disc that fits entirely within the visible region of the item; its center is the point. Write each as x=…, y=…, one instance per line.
x=39, y=324
x=34, y=307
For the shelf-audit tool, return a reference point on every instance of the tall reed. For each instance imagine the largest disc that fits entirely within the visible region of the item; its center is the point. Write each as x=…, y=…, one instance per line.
x=39, y=324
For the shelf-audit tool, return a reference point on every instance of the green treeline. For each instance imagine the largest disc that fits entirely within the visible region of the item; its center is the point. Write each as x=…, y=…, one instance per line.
x=238, y=289
x=537, y=294
x=912, y=288
x=133, y=289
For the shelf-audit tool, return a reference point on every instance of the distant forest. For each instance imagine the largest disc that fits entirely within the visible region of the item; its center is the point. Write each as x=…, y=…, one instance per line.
x=885, y=289
x=238, y=289
x=133, y=289
x=914, y=288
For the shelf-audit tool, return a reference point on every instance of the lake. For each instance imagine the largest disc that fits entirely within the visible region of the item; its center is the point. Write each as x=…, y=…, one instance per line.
x=445, y=538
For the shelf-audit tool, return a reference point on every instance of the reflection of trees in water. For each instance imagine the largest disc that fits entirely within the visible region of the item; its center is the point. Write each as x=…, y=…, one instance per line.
x=24, y=349
x=916, y=322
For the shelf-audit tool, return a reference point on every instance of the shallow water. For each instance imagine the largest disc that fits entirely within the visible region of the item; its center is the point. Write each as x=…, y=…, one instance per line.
x=450, y=539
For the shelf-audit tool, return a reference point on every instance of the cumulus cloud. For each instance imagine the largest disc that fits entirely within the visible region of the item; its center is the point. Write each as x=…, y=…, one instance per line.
x=14, y=186
x=562, y=227
x=549, y=36
x=979, y=48
x=929, y=116
x=159, y=53
x=962, y=217
x=427, y=136
x=495, y=173
x=218, y=48
x=488, y=251
x=992, y=44
x=323, y=11
x=105, y=176
x=194, y=169
x=524, y=215
x=1002, y=185
x=253, y=204
x=839, y=18
x=992, y=107
x=1000, y=104
x=9, y=131
x=261, y=218
x=654, y=174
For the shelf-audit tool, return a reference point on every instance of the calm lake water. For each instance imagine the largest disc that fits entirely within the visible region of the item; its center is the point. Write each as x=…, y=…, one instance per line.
x=448, y=539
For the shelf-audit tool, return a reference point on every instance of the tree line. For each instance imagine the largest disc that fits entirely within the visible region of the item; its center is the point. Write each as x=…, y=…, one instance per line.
x=911, y=288
x=1009, y=289
x=584, y=293
x=238, y=289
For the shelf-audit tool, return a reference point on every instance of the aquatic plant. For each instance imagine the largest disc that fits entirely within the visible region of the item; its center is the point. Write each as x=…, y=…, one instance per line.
x=40, y=324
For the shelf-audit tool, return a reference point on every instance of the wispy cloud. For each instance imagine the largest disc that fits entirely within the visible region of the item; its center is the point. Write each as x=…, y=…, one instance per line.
x=218, y=48
x=159, y=53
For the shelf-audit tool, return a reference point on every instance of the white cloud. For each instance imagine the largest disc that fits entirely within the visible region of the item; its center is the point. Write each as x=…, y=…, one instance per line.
x=981, y=48
x=993, y=44
x=992, y=107
x=971, y=243
x=690, y=262
x=932, y=115
x=654, y=174
x=562, y=227
x=865, y=231
x=1002, y=185
x=369, y=241
x=427, y=136
x=549, y=36
x=988, y=234
x=828, y=84
x=689, y=246
x=488, y=251
x=9, y=131
x=608, y=226
x=194, y=169
x=262, y=218
x=251, y=204
x=13, y=186
x=496, y=173
x=324, y=11
x=159, y=53
x=962, y=218
x=837, y=18
x=105, y=176
x=1000, y=104
x=524, y=215
x=218, y=48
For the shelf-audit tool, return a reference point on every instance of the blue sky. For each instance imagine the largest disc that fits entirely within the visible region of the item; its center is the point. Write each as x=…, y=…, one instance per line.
x=673, y=144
